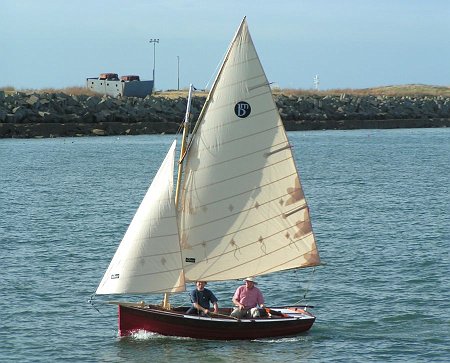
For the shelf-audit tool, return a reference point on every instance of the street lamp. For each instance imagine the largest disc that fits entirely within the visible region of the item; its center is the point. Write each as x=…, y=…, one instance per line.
x=154, y=41
x=178, y=72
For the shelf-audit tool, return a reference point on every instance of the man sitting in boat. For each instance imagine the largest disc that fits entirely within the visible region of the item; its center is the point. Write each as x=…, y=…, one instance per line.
x=247, y=298
x=201, y=298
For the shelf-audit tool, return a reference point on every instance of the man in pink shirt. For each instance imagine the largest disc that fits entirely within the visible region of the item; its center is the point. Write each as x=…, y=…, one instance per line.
x=247, y=298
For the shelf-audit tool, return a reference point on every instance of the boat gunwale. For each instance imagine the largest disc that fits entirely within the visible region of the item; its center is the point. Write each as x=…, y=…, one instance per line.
x=180, y=312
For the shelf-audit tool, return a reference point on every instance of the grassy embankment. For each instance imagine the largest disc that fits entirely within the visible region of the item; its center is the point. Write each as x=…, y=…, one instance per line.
x=401, y=90
x=68, y=90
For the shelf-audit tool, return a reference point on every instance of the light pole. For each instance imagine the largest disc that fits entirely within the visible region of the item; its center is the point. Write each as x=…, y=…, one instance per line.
x=154, y=41
x=178, y=72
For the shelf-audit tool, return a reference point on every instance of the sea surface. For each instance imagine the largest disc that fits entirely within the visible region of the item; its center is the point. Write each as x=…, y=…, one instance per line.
x=380, y=204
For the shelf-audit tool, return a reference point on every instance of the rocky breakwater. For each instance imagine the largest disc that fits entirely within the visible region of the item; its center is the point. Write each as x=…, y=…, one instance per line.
x=344, y=111
x=59, y=114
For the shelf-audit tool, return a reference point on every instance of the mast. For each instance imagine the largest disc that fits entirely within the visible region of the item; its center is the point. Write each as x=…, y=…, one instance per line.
x=183, y=144
x=165, y=303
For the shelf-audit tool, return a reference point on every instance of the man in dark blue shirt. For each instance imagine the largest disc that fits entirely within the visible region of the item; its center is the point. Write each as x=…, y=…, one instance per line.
x=201, y=298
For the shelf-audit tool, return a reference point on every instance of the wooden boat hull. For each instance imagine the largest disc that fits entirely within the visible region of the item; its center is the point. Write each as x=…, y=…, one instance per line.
x=133, y=318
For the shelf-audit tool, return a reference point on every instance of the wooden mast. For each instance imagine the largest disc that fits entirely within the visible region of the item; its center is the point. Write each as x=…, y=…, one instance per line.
x=183, y=144
x=166, y=304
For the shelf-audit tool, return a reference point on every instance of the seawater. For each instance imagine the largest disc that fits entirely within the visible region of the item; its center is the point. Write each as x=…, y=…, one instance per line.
x=380, y=205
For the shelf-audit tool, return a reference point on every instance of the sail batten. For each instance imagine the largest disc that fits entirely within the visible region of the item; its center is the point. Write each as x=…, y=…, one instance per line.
x=255, y=205
x=248, y=192
x=281, y=266
x=233, y=233
x=295, y=261
x=248, y=136
x=268, y=153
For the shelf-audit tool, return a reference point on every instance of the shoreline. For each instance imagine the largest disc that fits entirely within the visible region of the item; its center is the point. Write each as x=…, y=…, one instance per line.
x=45, y=115
x=52, y=130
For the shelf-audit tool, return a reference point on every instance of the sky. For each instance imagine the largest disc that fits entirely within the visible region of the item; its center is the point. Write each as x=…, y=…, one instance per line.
x=346, y=43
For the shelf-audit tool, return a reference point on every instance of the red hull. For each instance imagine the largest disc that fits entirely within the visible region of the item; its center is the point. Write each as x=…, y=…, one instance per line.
x=175, y=323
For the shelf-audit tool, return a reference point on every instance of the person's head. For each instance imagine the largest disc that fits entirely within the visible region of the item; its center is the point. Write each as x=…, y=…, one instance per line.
x=250, y=282
x=200, y=285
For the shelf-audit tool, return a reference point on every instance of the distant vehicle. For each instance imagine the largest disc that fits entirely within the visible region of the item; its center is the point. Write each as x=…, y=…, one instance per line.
x=129, y=85
x=129, y=78
x=109, y=76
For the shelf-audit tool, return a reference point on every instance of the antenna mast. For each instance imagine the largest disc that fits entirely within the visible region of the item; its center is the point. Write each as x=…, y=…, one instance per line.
x=316, y=82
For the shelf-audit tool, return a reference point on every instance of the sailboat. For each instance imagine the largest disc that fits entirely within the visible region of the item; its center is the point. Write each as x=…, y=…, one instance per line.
x=238, y=210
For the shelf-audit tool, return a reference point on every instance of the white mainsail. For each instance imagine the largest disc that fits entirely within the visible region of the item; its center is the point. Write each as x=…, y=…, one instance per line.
x=242, y=210
x=148, y=258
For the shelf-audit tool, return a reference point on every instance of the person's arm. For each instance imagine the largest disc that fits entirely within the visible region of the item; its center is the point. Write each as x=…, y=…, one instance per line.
x=260, y=299
x=200, y=308
x=238, y=304
x=236, y=300
x=193, y=297
x=213, y=300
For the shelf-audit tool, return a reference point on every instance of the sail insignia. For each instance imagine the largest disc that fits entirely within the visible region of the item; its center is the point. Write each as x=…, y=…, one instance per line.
x=242, y=109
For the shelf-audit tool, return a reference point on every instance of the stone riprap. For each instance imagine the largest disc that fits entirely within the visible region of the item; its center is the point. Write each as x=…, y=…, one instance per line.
x=58, y=114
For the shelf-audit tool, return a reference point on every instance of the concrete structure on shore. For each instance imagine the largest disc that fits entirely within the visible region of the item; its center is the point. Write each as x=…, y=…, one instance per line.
x=58, y=114
x=128, y=86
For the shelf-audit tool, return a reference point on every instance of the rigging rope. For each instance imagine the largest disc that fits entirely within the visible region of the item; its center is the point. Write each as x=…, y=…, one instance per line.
x=308, y=286
x=91, y=301
x=215, y=71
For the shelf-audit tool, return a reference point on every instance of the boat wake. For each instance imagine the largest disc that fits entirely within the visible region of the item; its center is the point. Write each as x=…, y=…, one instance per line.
x=143, y=335
x=297, y=338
